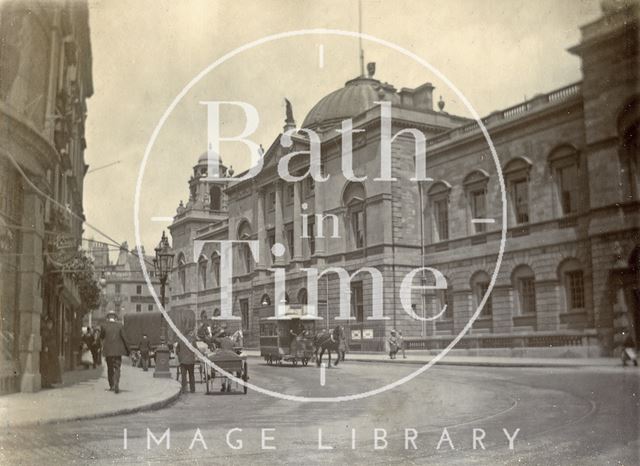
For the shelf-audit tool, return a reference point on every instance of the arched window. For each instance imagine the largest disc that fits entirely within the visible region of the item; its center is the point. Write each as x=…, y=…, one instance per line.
x=202, y=272
x=571, y=277
x=215, y=269
x=475, y=185
x=439, y=202
x=524, y=288
x=479, y=286
x=302, y=296
x=182, y=273
x=216, y=198
x=353, y=199
x=244, y=234
x=564, y=162
x=516, y=174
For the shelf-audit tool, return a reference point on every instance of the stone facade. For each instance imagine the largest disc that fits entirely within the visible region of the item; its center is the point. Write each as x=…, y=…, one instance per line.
x=45, y=65
x=569, y=161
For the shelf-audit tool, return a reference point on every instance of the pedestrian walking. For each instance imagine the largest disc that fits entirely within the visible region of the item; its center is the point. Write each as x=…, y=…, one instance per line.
x=49, y=363
x=114, y=347
x=401, y=344
x=144, y=347
x=187, y=360
x=342, y=344
x=392, y=341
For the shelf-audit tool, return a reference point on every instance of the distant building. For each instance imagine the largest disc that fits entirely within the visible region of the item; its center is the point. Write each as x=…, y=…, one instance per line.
x=125, y=289
x=570, y=163
x=45, y=79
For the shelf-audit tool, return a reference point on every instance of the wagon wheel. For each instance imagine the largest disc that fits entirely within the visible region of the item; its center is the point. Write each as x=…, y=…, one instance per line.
x=245, y=375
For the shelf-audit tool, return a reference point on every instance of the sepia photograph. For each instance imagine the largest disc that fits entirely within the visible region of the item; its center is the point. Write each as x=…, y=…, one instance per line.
x=244, y=232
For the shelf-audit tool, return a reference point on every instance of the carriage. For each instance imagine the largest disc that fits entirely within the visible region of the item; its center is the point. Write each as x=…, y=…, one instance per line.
x=288, y=337
x=229, y=361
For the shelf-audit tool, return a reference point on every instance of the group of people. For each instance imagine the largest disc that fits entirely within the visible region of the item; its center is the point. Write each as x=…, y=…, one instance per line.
x=396, y=344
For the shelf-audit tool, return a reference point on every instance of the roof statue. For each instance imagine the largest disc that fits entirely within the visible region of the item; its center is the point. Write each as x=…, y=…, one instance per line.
x=289, y=122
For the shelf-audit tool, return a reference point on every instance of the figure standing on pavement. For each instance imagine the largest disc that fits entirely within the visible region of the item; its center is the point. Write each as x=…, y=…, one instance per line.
x=401, y=344
x=393, y=345
x=342, y=345
x=187, y=360
x=49, y=363
x=114, y=347
x=145, y=347
x=95, y=347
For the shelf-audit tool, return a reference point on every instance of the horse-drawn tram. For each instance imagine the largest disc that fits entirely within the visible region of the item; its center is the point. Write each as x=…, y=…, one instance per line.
x=288, y=336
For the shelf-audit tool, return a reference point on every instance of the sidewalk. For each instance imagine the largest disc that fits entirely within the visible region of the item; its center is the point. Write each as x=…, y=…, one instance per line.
x=423, y=357
x=84, y=395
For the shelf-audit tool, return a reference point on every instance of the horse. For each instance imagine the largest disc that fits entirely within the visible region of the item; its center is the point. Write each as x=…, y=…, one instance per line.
x=329, y=341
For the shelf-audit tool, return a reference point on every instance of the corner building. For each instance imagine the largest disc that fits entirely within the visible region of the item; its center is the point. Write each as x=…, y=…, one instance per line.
x=569, y=158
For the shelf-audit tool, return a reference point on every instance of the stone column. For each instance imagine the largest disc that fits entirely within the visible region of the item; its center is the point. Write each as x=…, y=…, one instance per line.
x=319, y=209
x=297, y=223
x=262, y=234
x=29, y=300
x=279, y=261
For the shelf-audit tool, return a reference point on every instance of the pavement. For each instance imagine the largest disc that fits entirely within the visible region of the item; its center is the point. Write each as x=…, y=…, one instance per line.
x=424, y=357
x=84, y=394
x=564, y=416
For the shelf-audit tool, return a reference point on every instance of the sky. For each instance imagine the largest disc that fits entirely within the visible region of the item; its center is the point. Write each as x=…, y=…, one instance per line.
x=496, y=52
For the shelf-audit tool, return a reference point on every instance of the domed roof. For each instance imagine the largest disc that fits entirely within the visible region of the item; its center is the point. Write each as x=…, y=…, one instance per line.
x=204, y=160
x=355, y=97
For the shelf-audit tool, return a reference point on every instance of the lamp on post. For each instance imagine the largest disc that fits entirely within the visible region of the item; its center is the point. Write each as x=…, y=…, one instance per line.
x=163, y=264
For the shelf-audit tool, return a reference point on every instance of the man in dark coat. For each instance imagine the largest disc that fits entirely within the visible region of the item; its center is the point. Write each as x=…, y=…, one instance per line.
x=187, y=360
x=114, y=346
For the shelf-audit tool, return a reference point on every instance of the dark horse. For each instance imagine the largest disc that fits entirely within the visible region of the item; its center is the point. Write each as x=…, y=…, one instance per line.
x=328, y=340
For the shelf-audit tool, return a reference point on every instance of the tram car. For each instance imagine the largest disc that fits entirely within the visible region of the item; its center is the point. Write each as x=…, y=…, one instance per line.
x=288, y=337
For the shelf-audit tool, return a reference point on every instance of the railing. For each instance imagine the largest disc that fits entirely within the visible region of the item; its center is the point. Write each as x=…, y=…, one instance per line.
x=485, y=341
x=554, y=97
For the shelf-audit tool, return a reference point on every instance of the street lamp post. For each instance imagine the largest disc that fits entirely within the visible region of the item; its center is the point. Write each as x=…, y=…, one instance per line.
x=162, y=264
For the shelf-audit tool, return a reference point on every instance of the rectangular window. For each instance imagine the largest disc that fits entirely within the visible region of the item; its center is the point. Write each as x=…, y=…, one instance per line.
x=527, y=291
x=272, y=200
x=150, y=307
x=310, y=186
x=357, y=304
x=290, y=241
x=290, y=194
x=568, y=187
x=118, y=288
x=244, y=312
x=521, y=200
x=357, y=226
x=478, y=209
x=138, y=289
x=138, y=307
x=311, y=225
x=441, y=213
x=575, y=282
